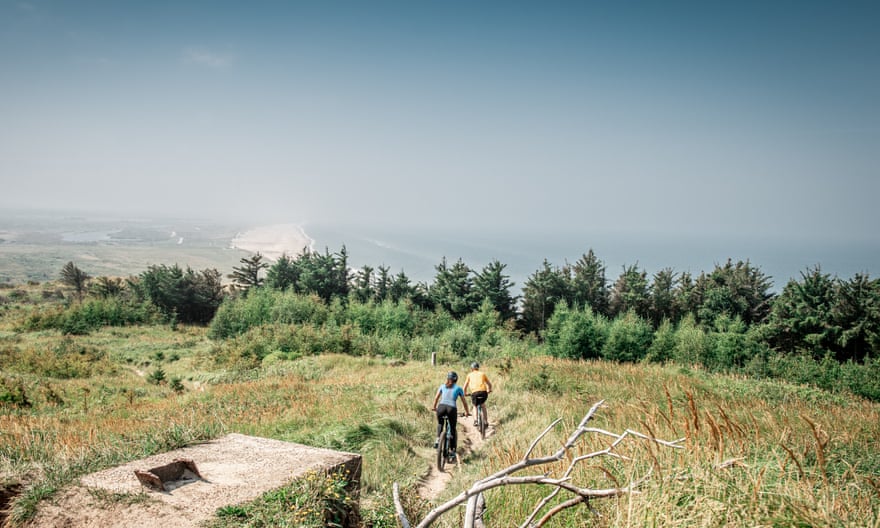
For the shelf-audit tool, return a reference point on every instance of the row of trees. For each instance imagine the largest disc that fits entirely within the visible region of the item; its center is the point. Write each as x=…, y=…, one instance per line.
x=181, y=295
x=735, y=289
x=456, y=287
x=817, y=315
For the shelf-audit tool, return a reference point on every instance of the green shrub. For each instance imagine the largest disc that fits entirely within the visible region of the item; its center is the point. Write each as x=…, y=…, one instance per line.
x=176, y=384
x=691, y=343
x=238, y=314
x=364, y=316
x=863, y=379
x=395, y=318
x=263, y=306
x=157, y=376
x=733, y=345
x=663, y=345
x=629, y=337
x=314, y=500
x=294, y=308
x=12, y=392
x=67, y=359
x=483, y=320
x=433, y=322
x=83, y=318
x=575, y=333
x=542, y=381
x=459, y=339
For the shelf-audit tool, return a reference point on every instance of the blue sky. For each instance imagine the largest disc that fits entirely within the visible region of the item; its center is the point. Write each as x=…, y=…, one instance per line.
x=756, y=119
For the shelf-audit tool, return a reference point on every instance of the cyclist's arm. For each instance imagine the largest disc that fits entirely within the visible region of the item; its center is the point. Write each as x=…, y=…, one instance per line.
x=466, y=383
x=436, y=399
x=467, y=412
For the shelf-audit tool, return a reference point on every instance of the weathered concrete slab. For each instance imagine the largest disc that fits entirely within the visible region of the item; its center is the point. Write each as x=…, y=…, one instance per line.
x=234, y=469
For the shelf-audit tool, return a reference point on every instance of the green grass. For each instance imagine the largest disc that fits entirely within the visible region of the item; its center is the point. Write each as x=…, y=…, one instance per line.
x=756, y=453
x=316, y=500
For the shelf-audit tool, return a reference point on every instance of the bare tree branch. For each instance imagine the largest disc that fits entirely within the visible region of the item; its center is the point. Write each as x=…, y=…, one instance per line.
x=398, y=507
x=474, y=495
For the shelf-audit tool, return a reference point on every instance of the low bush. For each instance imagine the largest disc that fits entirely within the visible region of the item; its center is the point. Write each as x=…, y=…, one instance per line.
x=83, y=318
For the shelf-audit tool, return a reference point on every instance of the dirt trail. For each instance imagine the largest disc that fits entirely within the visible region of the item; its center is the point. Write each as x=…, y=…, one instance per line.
x=435, y=481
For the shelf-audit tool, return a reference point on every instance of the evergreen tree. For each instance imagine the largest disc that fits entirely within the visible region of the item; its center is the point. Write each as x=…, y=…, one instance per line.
x=630, y=292
x=686, y=296
x=588, y=284
x=494, y=286
x=283, y=274
x=75, y=278
x=663, y=290
x=185, y=296
x=383, y=284
x=324, y=275
x=857, y=314
x=421, y=297
x=801, y=316
x=106, y=287
x=453, y=289
x=737, y=290
x=248, y=275
x=543, y=290
x=362, y=289
x=400, y=287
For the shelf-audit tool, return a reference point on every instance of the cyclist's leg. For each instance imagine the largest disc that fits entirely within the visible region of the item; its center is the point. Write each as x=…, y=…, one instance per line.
x=480, y=398
x=440, y=413
x=453, y=419
x=447, y=411
x=474, y=405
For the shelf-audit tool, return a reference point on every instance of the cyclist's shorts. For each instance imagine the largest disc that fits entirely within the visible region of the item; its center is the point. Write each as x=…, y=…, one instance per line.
x=479, y=397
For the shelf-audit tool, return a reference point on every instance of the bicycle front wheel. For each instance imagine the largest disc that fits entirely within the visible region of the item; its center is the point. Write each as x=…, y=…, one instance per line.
x=441, y=451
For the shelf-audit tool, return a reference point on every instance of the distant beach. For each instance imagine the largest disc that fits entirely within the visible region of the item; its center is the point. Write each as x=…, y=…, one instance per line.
x=274, y=240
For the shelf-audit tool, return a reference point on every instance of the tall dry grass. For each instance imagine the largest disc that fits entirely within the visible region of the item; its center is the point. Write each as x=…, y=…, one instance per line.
x=756, y=454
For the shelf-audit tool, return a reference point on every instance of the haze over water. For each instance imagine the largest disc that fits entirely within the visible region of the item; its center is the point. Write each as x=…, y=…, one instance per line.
x=669, y=134
x=418, y=251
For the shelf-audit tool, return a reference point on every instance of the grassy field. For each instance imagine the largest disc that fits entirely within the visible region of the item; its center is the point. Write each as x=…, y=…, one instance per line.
x=755, y=453
x=35, y=248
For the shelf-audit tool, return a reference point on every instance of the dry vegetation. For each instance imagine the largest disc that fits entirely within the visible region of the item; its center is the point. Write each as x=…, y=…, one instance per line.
x=756, y=453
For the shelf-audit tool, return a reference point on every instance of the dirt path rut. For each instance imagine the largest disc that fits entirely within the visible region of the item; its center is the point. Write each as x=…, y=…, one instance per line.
x=435, y=481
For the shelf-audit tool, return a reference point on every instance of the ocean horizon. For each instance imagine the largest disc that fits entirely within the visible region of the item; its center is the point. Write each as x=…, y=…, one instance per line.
x=417, y=252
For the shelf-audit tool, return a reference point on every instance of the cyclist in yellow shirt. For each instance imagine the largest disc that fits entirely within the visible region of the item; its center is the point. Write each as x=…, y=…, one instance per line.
x=480, y=387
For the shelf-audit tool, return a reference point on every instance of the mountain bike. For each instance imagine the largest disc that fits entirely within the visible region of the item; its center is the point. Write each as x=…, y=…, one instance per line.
x=482, y=423
x=444, y=446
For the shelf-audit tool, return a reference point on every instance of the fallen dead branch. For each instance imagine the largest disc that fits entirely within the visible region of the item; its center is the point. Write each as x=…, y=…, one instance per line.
x=473, y=496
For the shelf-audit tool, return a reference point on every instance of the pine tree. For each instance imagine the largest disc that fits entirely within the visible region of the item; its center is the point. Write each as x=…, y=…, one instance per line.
x=75, y=278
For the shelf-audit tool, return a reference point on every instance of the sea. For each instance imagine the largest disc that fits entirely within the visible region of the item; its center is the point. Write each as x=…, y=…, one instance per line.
x=417, y=252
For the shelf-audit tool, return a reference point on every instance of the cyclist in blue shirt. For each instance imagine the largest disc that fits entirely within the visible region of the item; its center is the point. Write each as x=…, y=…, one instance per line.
x=446, y=397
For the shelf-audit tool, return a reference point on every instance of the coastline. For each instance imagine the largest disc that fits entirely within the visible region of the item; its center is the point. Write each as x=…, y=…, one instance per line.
x=272, y=241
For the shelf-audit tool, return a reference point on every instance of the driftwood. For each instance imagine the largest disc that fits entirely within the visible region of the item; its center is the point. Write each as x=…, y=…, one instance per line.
x=541, y=514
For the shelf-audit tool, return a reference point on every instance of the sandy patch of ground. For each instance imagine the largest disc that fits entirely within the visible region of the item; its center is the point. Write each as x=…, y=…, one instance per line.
x=235, y=469
x=274, y=240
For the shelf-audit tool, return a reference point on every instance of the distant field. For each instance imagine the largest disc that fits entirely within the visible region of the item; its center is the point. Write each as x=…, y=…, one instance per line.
x=34, y=248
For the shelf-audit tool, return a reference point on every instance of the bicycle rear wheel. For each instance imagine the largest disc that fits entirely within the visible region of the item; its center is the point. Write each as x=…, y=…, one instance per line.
x=481, y=422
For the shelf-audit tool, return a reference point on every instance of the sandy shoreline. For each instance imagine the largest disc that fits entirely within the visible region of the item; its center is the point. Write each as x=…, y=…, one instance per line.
x=274, y=240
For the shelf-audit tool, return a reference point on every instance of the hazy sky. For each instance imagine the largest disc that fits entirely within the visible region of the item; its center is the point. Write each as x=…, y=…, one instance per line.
x=754, y=118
